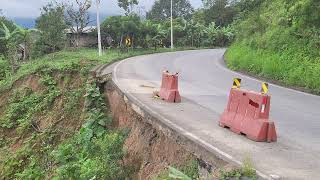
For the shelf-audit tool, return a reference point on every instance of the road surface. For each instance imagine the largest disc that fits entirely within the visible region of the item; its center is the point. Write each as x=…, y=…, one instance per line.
x=204, y=84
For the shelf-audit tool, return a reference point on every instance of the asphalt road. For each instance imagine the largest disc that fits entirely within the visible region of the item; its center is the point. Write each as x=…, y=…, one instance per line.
x=204, y=84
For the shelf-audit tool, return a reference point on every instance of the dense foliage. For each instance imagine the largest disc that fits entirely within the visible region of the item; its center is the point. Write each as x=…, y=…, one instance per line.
x=3, y=42
x=52, y=25
x=277, y=39
x=187, y=33
x=56, y=125
x=161, y=10
x=280, y=40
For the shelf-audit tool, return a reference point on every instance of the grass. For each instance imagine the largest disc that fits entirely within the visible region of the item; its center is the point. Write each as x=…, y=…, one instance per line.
x=67, y=60
x=188, y=171
x=61, y=129
x=290, y=68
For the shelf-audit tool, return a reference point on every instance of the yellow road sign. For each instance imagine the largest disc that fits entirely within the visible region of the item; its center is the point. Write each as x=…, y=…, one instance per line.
x=128, y=41
x=236, y=83
x=264, y=88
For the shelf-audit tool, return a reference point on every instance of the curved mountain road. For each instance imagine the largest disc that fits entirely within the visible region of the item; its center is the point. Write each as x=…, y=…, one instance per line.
x=204, y=85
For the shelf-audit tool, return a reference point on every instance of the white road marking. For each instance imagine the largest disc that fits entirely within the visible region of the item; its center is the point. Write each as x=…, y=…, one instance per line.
x=185, y=132
x=259, y=81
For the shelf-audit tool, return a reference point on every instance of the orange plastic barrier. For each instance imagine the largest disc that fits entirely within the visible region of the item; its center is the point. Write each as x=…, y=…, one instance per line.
x=247, y=113
x=169, y=87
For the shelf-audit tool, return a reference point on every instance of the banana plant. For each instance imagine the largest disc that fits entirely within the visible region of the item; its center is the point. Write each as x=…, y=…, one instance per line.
x=19, y=34
x=24, y=35
x=160, y=34
x=9, y=38
x=6, y=34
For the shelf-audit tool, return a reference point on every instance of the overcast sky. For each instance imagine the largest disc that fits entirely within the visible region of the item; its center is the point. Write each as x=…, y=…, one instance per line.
x=31, y=8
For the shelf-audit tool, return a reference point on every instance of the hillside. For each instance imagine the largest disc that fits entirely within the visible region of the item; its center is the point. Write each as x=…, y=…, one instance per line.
x=280, y=40
x=54, y=121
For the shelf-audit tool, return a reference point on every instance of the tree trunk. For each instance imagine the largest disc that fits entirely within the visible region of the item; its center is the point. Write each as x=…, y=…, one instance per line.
x=192, y=41
x=77, y=40
x=25, y=50
x=120, y=42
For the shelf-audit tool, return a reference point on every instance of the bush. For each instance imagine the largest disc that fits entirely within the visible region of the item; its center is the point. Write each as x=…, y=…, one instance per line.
x=278, y=40
x=300, y=70
x=4, y=68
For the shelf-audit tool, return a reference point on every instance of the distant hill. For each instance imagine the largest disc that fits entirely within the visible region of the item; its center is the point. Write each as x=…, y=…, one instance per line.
x=31, y=22
x=24, y=22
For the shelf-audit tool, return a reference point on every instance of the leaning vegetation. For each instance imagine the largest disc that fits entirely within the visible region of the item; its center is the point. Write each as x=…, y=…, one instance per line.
x=54, y=122
x=190, y=171
x=280, y=40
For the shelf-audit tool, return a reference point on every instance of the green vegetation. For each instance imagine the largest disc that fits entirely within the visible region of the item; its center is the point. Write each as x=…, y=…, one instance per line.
x=10, y=26
x=150, y=33
x=71, y=61
x=54, y=123
x=53, y=120
x=94, y=152
x=51, y=25
x=245, y=171
x=161, y=10
x=187, y=171
x=280, y=40
x=190, y=171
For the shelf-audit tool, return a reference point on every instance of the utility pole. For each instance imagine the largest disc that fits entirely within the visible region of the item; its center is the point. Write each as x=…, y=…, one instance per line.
x=171, y=27
x=98, y=27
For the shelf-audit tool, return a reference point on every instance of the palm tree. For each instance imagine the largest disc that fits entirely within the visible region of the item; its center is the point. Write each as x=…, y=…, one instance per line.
x=191, y=28
x=9, y=37
x=211, y=32
x=25, y=36
x=161, y=34
x=200, y=33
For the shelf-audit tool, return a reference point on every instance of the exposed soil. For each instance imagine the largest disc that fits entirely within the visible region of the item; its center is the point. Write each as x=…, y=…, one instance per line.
x=153, y=147
x=149, y=150
x=55, y=117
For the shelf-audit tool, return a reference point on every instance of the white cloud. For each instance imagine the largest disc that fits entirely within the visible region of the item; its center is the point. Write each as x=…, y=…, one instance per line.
x=31, y=8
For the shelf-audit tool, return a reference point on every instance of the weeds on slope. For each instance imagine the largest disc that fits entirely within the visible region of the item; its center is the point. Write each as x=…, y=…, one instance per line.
x=289, y=68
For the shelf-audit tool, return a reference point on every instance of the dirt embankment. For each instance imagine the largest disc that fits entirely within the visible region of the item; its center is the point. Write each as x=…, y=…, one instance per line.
x=152, y=146
x=55, y=116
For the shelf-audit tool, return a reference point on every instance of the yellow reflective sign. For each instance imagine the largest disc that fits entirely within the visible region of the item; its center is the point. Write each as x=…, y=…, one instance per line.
x=236, y=83
x=128, y=41
x=264, y=88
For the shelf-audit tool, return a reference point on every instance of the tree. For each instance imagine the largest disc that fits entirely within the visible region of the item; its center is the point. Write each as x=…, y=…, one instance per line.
x=222, y=12
x=127, y=5
x=161, y=10
x=192, y=28
x=219, y=36
x=11, y=27
x=52, y=25
x=78, y=18
x=9, y=37
x=119, y=27
x=25, y=36
x=157, y=38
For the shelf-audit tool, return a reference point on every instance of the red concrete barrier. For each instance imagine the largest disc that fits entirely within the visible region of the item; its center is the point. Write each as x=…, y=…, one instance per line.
x=247, y=113
x=169, y=87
